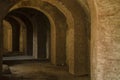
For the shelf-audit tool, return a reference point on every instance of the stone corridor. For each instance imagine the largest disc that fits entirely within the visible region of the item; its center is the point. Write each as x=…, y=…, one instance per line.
x=76, y=39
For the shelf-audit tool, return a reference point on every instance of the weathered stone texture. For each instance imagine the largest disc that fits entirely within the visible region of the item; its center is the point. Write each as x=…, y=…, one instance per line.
x=107, y=40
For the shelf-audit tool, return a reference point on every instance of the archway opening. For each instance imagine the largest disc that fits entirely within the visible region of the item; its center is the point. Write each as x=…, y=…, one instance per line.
x=30, y=34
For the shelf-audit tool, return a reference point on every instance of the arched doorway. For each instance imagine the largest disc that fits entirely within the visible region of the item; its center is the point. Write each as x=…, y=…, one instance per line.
x=37, y=32
x=54, y=21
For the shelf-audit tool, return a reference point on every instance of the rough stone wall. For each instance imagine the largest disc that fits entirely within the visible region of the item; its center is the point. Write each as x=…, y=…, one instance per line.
x=105, y=39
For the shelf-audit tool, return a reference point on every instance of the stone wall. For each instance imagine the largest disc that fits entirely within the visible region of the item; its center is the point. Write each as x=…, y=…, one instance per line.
x=105, y=39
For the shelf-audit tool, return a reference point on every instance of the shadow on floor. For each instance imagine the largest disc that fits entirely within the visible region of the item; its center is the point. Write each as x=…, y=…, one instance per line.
x=40, y=71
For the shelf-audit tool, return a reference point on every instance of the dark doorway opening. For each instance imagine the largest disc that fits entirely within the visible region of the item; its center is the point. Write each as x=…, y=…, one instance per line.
x=30, y=34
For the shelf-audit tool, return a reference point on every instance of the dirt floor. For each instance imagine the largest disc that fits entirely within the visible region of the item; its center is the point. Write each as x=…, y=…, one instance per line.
x=40, y=71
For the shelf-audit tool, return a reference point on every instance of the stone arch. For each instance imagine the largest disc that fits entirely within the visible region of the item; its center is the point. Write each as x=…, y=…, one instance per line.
x=23, y=36
x=94, y=19
x=29, y=27
x=70, y=32
x=22, y=11
x=81, y=38
x=64, y=8
x=15, y=33
x=13, y=19
x=54, y=38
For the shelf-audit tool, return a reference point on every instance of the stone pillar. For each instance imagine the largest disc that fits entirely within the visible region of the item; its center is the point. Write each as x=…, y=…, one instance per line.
x=78, y=61
x=21, y=39
x=35, y=41
x=30, y=39
x=40, y=36
x=48, y=44
x=58, y=43
x=9, y=40
x=70, y=49
x=106, y=41
x=53, y=45
x=24, y=40
x=23, y=36
x=42, y=40
x=7, y=28
x=60, y=46
x=16, y=37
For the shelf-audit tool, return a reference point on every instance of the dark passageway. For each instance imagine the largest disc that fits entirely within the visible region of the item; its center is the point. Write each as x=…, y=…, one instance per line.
x=37, y=33
x=46, y=40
